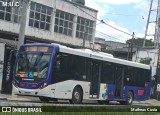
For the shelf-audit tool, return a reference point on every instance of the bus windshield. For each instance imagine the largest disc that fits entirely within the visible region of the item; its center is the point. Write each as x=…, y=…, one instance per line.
x=32, y=67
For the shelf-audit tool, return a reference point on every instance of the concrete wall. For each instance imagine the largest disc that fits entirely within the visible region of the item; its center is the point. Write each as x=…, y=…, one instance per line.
x=152, y=53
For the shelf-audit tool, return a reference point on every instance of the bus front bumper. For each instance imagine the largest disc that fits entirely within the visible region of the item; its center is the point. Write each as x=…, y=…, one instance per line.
x=32, y=92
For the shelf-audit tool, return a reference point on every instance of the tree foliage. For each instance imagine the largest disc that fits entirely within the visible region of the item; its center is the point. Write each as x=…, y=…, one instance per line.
x=107, y=51
x=139, y=42
x=146, y=60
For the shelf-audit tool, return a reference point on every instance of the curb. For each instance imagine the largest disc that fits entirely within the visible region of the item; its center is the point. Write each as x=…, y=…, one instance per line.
x=2, y=98
x=18, y=99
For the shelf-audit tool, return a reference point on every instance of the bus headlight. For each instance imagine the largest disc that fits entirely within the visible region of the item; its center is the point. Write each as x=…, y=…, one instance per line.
x=43, y=85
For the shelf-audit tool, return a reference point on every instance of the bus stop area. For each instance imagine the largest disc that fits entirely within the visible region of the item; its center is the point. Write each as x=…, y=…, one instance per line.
x=9, y=97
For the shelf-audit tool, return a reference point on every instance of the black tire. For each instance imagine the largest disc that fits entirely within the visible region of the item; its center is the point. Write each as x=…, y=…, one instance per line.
x=77, y=96
x=106, y=102
x=44, y=99
x=129, y=98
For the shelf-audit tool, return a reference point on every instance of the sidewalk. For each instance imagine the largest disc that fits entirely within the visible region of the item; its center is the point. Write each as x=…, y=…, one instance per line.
x=150, y=102
x=16, y=97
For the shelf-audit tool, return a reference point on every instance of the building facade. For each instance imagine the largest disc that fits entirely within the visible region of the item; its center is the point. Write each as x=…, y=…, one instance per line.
x=67, y=22
x=109, y=45
x=60, y=21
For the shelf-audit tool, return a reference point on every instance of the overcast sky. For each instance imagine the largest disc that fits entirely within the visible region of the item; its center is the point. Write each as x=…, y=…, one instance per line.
x=127, y=15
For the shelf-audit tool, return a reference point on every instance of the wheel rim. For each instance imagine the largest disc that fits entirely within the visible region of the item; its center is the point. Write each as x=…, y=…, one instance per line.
x=129, y=99
x=77, y=96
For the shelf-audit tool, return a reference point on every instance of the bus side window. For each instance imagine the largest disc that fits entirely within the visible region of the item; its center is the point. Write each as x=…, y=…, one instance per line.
x=129, y=76
x=62, y=67
x=78, y=68
x=58, y=64
x=107, y=73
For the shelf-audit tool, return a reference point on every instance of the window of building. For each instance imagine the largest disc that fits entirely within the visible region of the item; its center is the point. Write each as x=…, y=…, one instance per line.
x=40, y=16
x=64, y=23
x=5, y=12
x=10, y=13
x=17, y=12
x=84, y=28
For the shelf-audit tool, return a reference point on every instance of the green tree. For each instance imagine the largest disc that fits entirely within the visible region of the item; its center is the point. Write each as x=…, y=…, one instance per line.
x=146, y=60
x=139, y=42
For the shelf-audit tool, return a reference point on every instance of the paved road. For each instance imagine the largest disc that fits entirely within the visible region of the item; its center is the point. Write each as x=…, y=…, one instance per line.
x=12, y=100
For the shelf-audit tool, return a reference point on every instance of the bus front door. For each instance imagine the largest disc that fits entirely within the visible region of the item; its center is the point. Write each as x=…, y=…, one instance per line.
x=119, y=82
x=95, y=79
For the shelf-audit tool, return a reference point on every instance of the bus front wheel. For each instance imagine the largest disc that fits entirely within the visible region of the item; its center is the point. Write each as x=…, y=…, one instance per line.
x=76, y=96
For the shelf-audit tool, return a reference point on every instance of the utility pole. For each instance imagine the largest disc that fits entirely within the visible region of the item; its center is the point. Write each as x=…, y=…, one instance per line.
x=132, y=45
x=25, y=4
x=130, y=48
x=148, y=21
x=157, y=26
x=129, y=45
x=157, y=77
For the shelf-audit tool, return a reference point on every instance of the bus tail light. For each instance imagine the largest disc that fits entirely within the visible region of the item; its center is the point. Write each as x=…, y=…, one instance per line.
x=43, y=85
x=21, y=85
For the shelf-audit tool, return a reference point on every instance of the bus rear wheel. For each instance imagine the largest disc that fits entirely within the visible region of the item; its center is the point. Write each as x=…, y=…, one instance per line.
x=76, y=96
x=129, y=99
x=44, y=99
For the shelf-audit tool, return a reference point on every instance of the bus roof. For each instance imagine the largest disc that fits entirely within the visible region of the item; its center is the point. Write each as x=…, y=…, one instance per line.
x=100, y=56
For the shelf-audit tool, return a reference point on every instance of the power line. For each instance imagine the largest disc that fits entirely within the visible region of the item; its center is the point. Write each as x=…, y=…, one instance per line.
x=123, y=14
x=116, y=28
x=108, y=35
x=103, y=21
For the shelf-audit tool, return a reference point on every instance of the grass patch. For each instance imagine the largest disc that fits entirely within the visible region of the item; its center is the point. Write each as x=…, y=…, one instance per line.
x=83, y=113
